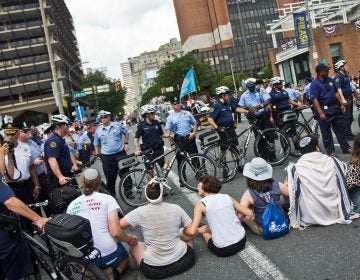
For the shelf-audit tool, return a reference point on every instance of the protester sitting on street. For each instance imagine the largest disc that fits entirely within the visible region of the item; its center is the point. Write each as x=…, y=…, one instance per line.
x=102, y=212
x=261, y=188
x=165, y=251
x=317, y=188
x=224, y=234
x=353, y=174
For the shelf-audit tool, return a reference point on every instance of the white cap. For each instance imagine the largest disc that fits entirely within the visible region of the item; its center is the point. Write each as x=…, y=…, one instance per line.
x=90, y=174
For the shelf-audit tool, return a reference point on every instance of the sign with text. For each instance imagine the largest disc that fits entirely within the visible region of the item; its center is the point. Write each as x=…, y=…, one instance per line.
x=79, y=94
x=301, y=30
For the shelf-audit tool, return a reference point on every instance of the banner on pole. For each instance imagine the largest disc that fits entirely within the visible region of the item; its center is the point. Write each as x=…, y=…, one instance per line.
x=301, y=30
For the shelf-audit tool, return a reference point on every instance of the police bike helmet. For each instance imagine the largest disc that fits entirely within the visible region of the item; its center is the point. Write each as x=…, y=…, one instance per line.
x=339, y=64
x=147, y=109
x=276, y=80
x=250, y=82
x=104, y=113
x=222, y=90
x=60, y=119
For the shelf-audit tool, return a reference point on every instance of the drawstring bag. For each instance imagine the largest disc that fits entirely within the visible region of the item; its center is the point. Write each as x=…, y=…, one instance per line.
x=274, y=223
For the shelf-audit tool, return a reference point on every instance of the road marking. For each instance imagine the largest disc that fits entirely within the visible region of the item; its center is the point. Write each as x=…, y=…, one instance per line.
x=259, y=263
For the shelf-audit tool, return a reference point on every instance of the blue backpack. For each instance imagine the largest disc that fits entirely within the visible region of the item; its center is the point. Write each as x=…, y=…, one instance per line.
x=273, y=221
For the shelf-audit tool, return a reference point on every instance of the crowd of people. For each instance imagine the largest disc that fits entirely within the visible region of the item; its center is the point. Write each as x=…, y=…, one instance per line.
x=319, y=188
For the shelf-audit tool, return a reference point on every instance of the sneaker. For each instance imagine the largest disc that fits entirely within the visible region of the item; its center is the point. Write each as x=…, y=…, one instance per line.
x=225, y=174
x=348, y=151
x=333, y=154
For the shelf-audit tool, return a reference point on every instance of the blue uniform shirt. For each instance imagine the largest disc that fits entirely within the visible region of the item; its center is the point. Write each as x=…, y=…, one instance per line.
x=36, y=153
x=323, y=91
x=180, y=123
x=254, y=98
x=110, y=138
x=222, y=114
x=307, y=91
x=56, y=147
x=149, y=133
x=80, y=139
x=280, y=99
x=343, y=81
x=293, y=94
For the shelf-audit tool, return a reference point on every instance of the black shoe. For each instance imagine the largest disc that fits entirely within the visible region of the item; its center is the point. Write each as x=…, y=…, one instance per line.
x=351, y=137
x=225, y=174
x=273, y=159
x=239, y=169
x=348, y=151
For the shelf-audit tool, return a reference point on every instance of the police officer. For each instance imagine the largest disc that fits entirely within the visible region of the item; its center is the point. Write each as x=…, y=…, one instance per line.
x=111, y=141
x=82, y=142
x=182, y=126
x=293, y=93
x=58, y=161
x=342, y=82
x=257, y=103
x=150, y=131
x=280, y=100
x=221, y=116
x=329, y=106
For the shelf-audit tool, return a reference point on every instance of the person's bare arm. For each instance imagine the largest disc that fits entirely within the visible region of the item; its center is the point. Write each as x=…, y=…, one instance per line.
x=199, y=211
x=241, y=209
x=117, y=232
x=56, y=170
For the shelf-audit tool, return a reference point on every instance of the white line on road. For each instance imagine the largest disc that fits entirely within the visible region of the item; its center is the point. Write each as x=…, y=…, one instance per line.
x=259, y=263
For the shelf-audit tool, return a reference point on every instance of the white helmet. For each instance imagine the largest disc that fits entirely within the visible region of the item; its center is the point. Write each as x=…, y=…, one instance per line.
x=250, y=82
x=276, y=80
x=104, y=113
x=147, y=109
x=221, y=90
x=339, y=64
x=58, y=119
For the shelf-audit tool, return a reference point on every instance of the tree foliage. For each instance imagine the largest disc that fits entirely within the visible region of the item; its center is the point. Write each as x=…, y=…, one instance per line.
x=112, y=101
x=173, y=73
x=267, y=71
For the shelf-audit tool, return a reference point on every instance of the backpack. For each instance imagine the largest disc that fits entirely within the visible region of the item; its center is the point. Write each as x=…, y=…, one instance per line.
x=60, y=198
x=273, y=220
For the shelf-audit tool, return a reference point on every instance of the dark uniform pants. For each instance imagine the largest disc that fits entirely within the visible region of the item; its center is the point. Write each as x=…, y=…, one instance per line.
x=334, y=120
x=348, y=116
x=84, y=155
x=263, y=122
x=185, y=144
x=111, y=170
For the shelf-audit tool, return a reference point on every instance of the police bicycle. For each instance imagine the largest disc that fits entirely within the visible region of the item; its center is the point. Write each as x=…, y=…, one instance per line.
x=132, y=184
x=271, y=144
x=50, y=257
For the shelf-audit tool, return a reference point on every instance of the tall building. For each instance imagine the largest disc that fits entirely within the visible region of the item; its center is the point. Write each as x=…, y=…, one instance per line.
x=139, y=72
x=227, y=33
x=38, y=47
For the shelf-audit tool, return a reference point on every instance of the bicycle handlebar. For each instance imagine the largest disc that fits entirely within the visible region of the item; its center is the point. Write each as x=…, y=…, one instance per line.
x=38, y=204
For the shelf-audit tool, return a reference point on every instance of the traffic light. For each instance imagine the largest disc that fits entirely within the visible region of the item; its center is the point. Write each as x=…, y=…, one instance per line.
x=94, y=89
x=118, y=85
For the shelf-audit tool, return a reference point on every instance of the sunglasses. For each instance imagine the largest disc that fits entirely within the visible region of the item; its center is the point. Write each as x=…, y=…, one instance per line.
x=104, y=117
x=175, y=103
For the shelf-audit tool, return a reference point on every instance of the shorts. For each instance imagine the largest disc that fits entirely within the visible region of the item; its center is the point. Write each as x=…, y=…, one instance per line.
x=114, y=259
x=18, y=263
x=228, y=250
x=160, y=272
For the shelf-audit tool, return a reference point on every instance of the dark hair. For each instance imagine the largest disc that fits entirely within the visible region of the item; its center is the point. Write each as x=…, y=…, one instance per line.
x=210, y=184
x=259, y=186
x=355, y=154
x=153, y=190
x=308, y=144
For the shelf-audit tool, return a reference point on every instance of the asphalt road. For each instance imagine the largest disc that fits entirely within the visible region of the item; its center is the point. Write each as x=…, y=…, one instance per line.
x=314, y=253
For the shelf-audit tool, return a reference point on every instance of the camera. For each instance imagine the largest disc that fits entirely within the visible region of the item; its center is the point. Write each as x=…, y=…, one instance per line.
x=10, y=144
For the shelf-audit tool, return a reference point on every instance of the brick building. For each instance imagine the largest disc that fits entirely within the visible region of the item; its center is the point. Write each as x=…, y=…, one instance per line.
x=336, y=35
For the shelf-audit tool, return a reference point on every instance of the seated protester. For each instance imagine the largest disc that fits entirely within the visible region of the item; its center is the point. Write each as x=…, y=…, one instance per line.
x=224, y=234
x=317, y=188
x=165, y=251
x=102, y=212
x=353, y=174
x=261, y=188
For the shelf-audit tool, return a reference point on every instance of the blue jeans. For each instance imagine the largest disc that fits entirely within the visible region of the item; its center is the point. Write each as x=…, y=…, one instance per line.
x=355, y=198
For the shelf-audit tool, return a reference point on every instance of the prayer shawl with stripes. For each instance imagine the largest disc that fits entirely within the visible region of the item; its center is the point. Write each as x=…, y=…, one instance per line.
x=318, y=192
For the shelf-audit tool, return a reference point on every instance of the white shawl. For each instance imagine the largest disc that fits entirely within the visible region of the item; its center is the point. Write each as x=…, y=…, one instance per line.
x=317, y=191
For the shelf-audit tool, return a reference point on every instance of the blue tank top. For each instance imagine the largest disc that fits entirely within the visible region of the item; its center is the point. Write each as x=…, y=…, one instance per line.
x=261, y=198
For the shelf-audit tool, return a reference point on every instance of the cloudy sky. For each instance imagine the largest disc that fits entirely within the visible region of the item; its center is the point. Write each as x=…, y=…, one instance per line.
x=110, y=31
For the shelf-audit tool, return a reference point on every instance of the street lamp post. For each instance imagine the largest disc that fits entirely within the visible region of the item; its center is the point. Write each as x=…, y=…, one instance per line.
x=69, y=77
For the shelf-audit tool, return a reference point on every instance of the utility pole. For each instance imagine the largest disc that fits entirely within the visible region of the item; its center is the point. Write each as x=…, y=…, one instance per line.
x=311, y=31
x=232, y=73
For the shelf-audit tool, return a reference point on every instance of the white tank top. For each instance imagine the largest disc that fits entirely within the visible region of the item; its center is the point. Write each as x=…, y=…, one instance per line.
x=225, y=226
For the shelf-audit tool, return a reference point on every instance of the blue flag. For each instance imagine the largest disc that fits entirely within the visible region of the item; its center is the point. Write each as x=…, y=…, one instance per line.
x=189, y=84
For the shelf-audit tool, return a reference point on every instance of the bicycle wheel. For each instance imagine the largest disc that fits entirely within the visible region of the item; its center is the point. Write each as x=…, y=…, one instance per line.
x=77, y=268
x=193, y=167
x=226, y=160
x=295, y=131
x=272, y=145
x=132, y=187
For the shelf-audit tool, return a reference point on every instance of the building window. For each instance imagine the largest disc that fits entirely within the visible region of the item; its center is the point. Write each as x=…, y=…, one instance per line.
x=335, y=51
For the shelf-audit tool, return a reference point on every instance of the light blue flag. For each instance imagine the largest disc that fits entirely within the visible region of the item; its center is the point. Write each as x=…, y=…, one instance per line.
x=189, y=83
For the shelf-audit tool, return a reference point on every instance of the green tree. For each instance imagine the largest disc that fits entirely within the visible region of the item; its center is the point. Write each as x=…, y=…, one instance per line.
x=112, y=101
x=173, y=73
x=267, y=71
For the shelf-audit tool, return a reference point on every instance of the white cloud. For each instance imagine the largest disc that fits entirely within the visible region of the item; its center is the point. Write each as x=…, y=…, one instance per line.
x=111, y=31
